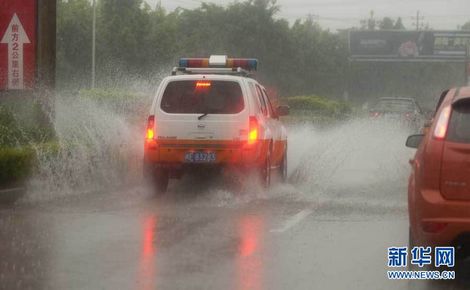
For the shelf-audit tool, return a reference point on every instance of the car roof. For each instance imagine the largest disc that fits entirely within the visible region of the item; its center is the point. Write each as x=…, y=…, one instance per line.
x=207, y=76
x=461, y=94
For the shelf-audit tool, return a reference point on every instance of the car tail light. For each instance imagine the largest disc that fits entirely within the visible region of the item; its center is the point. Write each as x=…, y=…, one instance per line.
x=442, y=123
x=408, y=115
x=200, y=85
x=433, y=227
x=150, y=128
x=253, y=130
x=374, y=114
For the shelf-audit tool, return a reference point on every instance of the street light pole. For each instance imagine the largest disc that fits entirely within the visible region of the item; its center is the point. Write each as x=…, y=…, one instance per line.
x=467, y=65
x=93, y=47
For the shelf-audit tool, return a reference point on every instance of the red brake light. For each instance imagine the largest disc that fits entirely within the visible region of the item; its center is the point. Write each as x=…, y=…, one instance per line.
x=150, y=127
x=253, y=130
x=203, y=85
x=442, y=123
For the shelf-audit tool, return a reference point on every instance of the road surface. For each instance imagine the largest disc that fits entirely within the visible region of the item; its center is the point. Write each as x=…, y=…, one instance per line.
x=328, y=229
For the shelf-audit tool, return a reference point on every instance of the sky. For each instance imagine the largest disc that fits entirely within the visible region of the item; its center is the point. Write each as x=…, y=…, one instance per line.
x=338, y=14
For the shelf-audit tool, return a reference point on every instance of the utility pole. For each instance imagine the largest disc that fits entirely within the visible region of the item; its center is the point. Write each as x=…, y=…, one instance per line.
x=46, y=50
x=93, y=47
x=313, y=17
x=467, y=65
x=46, y=60
x=418, y=19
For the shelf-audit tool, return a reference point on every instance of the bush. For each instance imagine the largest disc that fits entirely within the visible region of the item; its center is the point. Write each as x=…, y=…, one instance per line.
x=16, y=164
x=18, y=134
x=9, y=131
x=319, y=105
x=41, y=129
x=24, y=127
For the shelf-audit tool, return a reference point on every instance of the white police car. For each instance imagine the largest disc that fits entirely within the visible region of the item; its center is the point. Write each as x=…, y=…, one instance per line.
x=211, y=113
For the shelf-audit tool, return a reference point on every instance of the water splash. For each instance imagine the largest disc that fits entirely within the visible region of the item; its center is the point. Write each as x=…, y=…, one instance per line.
x=361, y=160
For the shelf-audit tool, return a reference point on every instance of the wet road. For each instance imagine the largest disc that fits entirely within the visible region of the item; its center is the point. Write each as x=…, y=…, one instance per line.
x=130, y=240
x=328, y=229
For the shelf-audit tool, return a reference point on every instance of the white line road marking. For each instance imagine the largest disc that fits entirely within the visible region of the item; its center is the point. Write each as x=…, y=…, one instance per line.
x=294, y=220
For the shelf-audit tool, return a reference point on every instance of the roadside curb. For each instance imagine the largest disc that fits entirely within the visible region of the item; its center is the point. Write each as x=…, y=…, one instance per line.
x=10, y=195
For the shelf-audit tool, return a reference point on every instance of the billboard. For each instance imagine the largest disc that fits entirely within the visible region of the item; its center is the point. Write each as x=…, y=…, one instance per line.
x=18, y=26
x=399, y=45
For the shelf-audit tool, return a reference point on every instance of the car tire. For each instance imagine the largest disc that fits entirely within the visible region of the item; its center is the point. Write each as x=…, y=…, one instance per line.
x=265, y=171
x=158, y=178
x=283, y=168
x=161, y=180
x=410, y=246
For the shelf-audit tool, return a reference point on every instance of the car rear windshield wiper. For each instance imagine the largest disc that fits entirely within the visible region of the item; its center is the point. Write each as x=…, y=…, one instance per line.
x=202, y=116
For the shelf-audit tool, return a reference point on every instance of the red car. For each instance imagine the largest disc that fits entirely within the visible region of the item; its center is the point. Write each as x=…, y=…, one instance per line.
x=439, y=184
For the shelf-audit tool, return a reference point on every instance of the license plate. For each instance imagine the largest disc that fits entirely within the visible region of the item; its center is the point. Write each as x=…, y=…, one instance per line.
x=200, y=157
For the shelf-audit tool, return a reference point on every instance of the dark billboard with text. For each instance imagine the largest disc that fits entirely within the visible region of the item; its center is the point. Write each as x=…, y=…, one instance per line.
x=403, y=45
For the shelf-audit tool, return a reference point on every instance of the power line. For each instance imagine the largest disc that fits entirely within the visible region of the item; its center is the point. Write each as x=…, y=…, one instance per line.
x=418, y=20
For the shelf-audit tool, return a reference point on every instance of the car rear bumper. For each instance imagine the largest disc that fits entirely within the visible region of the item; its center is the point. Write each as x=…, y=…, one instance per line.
x=440, y=222
x=171, y=154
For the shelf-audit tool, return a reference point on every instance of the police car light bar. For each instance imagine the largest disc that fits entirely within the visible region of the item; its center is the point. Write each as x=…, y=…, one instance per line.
x=219, y=61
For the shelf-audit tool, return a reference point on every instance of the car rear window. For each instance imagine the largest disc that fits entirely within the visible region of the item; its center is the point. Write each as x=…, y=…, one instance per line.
x=203, y=96
x=459, y=125
x=395, y=106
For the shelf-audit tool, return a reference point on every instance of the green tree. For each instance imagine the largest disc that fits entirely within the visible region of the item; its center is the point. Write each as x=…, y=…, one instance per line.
x=399, y=24
x=303, y=58
x=370, y=23
x=466, y=26
x=386, y=24
x=123, y=37
x=74, y=23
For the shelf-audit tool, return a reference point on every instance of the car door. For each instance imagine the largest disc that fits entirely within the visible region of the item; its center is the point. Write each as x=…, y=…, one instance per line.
x=274, y=126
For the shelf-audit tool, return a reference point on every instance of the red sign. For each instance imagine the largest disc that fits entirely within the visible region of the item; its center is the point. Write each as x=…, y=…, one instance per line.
x=18, y=21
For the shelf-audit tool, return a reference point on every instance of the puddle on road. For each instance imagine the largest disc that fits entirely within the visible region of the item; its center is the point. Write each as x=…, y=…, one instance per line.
x=358, y=161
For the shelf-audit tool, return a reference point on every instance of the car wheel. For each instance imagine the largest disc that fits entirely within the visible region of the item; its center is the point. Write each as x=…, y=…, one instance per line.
x=157, y=178
x=411, y=245
x=161, y=180
x=283, y=168
x=266, y=171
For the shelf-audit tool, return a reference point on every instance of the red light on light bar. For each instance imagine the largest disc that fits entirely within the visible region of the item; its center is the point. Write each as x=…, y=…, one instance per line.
x=194, y=62
x=250, y=64
x=203, y=85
